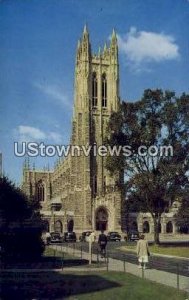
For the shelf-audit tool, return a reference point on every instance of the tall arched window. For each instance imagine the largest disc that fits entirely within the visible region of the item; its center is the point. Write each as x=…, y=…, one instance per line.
x=40, y=191
x=104, y=184
x=104, y=91
x=94, y=90
x=95, y=185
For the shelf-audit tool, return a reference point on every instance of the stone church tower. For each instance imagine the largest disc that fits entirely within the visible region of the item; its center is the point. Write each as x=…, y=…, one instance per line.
x=80, y=188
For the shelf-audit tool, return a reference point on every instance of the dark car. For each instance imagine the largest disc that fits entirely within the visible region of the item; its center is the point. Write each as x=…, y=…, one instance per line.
x=132, y=236
x=85, y=236
x=70, y=237
x=55, y=237
x=114, y=236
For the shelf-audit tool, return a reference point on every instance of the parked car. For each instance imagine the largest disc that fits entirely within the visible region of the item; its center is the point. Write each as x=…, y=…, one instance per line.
x=85, y=236
x=70, y=237
x=54, y=237
x=114, y=236
x=132, y=235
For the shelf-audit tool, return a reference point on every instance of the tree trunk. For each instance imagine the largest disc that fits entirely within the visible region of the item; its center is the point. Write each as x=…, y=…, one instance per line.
x=156, y=230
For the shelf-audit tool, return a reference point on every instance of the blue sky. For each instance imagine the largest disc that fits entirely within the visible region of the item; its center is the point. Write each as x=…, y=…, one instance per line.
x=38, y=40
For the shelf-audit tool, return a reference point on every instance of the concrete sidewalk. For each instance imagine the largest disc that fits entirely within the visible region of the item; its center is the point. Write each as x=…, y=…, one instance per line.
x=166, y=278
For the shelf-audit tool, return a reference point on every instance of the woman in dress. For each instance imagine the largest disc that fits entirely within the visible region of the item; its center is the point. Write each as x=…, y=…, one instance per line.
x=142, y=252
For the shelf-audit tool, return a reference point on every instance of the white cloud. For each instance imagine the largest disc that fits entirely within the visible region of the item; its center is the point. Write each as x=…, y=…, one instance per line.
x=28, y=133
x=54, y=92
x=142, y=47
x=56, y=137
x=32, y=134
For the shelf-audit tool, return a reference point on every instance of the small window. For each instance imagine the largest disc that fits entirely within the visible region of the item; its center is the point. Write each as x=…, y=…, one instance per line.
x=104, y=91
x=94, y=90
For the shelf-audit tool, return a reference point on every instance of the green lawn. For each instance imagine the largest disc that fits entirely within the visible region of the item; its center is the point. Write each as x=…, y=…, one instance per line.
x=161, y=249
x=133, y=288
x=105, y=285
x=52, y=252
x=70, y=258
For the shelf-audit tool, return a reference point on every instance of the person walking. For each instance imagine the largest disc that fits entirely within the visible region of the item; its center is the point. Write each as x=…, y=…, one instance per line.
x=142, y=252
x=91, y=241
x=102, y=241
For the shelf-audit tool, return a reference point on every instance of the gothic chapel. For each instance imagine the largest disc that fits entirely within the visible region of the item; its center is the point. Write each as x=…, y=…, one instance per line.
x=80, y=189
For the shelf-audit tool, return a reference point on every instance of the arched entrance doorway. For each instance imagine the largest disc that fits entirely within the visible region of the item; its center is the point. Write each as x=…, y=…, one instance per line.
x=101, y=219
x=46, y=226
x=58, y=226
x=70, y=225
x=146, y=227
x=134, y=226
x=169, y=227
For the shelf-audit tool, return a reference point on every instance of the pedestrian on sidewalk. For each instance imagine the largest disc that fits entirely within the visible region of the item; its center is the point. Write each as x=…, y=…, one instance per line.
x=142, y=252
x=102, y=241
x=91, y=241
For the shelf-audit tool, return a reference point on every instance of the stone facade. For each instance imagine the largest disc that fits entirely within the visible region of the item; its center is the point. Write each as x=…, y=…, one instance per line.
x=80, y=190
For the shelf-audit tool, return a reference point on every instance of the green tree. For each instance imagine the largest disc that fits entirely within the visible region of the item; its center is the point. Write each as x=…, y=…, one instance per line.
x=20, y=223
x=154, y=176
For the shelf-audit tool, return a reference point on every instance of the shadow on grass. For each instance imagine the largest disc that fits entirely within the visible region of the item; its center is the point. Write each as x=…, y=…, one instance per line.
x=47, y=262
x=50, y=285
x=174, y=244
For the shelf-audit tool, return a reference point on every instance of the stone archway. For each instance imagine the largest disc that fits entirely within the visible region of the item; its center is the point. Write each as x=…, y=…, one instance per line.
x=101, y=219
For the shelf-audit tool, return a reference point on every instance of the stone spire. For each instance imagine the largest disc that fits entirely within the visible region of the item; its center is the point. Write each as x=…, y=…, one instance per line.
x=83, y=46
x=114, y=37
x=78, y=44
x=114, y=46
x=85, y=31
x=99, y=51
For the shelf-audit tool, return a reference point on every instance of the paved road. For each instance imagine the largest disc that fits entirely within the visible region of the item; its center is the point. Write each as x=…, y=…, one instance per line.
x=163, y=263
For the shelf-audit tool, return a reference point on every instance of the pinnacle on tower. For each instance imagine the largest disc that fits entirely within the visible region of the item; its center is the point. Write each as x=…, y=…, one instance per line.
x=114, y=37
x=85, y=31
x=99, y=51
x=78, y=44
x=85, y=44
x=114, y=46
x=28, y=163
x=25, y=164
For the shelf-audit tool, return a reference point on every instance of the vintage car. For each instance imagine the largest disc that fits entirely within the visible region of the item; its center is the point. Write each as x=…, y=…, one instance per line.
x=114, y=236
x=53, y=238
x=70, y=237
